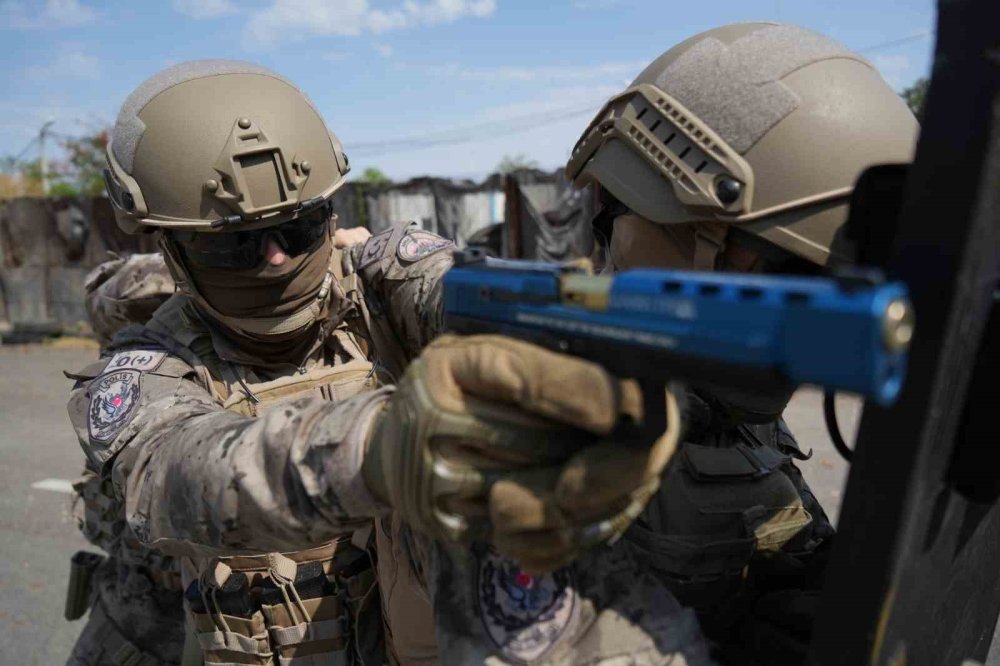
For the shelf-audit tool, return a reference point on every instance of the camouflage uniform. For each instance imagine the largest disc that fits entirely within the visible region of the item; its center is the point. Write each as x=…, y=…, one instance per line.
x=126, y=291
x=136, y=607
x=200, y=452
x=136, y=600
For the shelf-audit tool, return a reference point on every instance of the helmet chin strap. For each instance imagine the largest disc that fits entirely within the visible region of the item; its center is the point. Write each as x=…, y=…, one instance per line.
x=261, y=326
x=709, y=243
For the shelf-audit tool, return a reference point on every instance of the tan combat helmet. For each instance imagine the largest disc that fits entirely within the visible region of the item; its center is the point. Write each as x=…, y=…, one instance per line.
x=219, y=146
x=758, y=125
x=217, y=143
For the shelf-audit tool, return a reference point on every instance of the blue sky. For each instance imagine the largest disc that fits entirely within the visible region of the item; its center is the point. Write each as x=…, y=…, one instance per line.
x=440, y=87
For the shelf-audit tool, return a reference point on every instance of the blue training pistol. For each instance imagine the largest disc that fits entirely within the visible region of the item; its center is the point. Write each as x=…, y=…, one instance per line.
x=722, y=330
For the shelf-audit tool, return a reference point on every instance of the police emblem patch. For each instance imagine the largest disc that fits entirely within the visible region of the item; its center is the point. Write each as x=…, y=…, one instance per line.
x=418, y=244
x=374, y=249
x=525, y=616
x=114, y=397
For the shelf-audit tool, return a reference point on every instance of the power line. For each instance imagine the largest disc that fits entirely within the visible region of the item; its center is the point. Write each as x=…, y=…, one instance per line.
x=65, y=137
x=467, y=134
x=896, y=42
x=34, y=140
x=434, y=137
x=28, y=147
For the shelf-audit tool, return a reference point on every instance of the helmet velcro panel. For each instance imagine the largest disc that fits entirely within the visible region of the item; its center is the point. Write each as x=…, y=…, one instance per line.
x=128, y=126
x=744, y=97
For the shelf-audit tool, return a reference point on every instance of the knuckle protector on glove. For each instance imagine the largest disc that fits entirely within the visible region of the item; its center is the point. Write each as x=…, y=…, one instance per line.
x=432, y=447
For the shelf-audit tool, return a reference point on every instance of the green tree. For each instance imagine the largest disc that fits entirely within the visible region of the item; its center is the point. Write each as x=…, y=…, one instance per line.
x=374, y=176
x=511, y=163
x=85, y=161
x=915, y=96
x=63, y=189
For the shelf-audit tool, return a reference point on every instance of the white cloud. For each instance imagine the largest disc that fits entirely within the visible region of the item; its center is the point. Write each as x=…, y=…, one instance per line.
x=554, y=73
x=71, y=62
x=378, y=21
x=383, y=50
x=204, y=9
x=896, y=69
x=55, y=14
x=354, y=17
x=447, y=11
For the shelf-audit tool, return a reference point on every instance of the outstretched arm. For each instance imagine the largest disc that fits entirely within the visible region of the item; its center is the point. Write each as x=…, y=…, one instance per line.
x=194, y=478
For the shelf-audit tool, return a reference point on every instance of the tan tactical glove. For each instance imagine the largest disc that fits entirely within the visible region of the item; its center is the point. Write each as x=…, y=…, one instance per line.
x=491, y=437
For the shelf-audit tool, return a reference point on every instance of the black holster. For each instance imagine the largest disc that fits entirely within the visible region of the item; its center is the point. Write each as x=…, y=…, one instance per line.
x=81, y=573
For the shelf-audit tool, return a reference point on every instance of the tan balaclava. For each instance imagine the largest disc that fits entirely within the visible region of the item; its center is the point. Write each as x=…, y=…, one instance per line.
x=276, y=313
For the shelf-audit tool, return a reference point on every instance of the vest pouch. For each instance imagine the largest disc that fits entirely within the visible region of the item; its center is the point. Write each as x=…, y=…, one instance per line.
x=101, y=524
x=304, y=602
x=360, y=584
x=715, y=464
x=699, y=570
x=228, y=623
x=307, y=619
x=333, y=383
x=717, y=506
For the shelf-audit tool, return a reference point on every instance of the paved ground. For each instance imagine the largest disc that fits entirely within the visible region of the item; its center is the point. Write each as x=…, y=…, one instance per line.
x=38, y=455
x=37, y=532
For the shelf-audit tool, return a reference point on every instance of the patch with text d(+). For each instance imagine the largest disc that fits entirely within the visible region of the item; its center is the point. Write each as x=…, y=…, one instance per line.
x=140, y=359
x=374, y=249
x=114, y=398
x=418, y=244
x=524, y=615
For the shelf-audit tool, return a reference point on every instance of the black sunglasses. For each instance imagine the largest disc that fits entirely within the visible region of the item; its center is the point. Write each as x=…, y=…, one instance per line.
x=241, y=250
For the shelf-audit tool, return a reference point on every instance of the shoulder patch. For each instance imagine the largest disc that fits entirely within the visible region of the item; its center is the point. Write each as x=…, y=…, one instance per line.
x=139, y=359
x=525, y=616
x=418, y=244
x=374, y=249
x=114, y=398
x=89, y=372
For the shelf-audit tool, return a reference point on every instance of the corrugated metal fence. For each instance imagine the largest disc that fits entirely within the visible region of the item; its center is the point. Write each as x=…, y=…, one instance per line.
x=47, y=246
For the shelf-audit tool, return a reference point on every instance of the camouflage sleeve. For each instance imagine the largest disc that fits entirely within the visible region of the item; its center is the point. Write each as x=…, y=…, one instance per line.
x=400, y=272
x=195, y=478
x=126, y=291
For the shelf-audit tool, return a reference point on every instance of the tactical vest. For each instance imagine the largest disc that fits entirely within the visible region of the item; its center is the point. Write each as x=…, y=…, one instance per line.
x=724, y=498
x=319, y=606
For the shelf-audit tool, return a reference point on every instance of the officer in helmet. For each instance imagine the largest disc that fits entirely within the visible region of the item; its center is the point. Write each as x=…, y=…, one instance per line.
x=233, y=168
x=737, y=150
x=287, y=409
